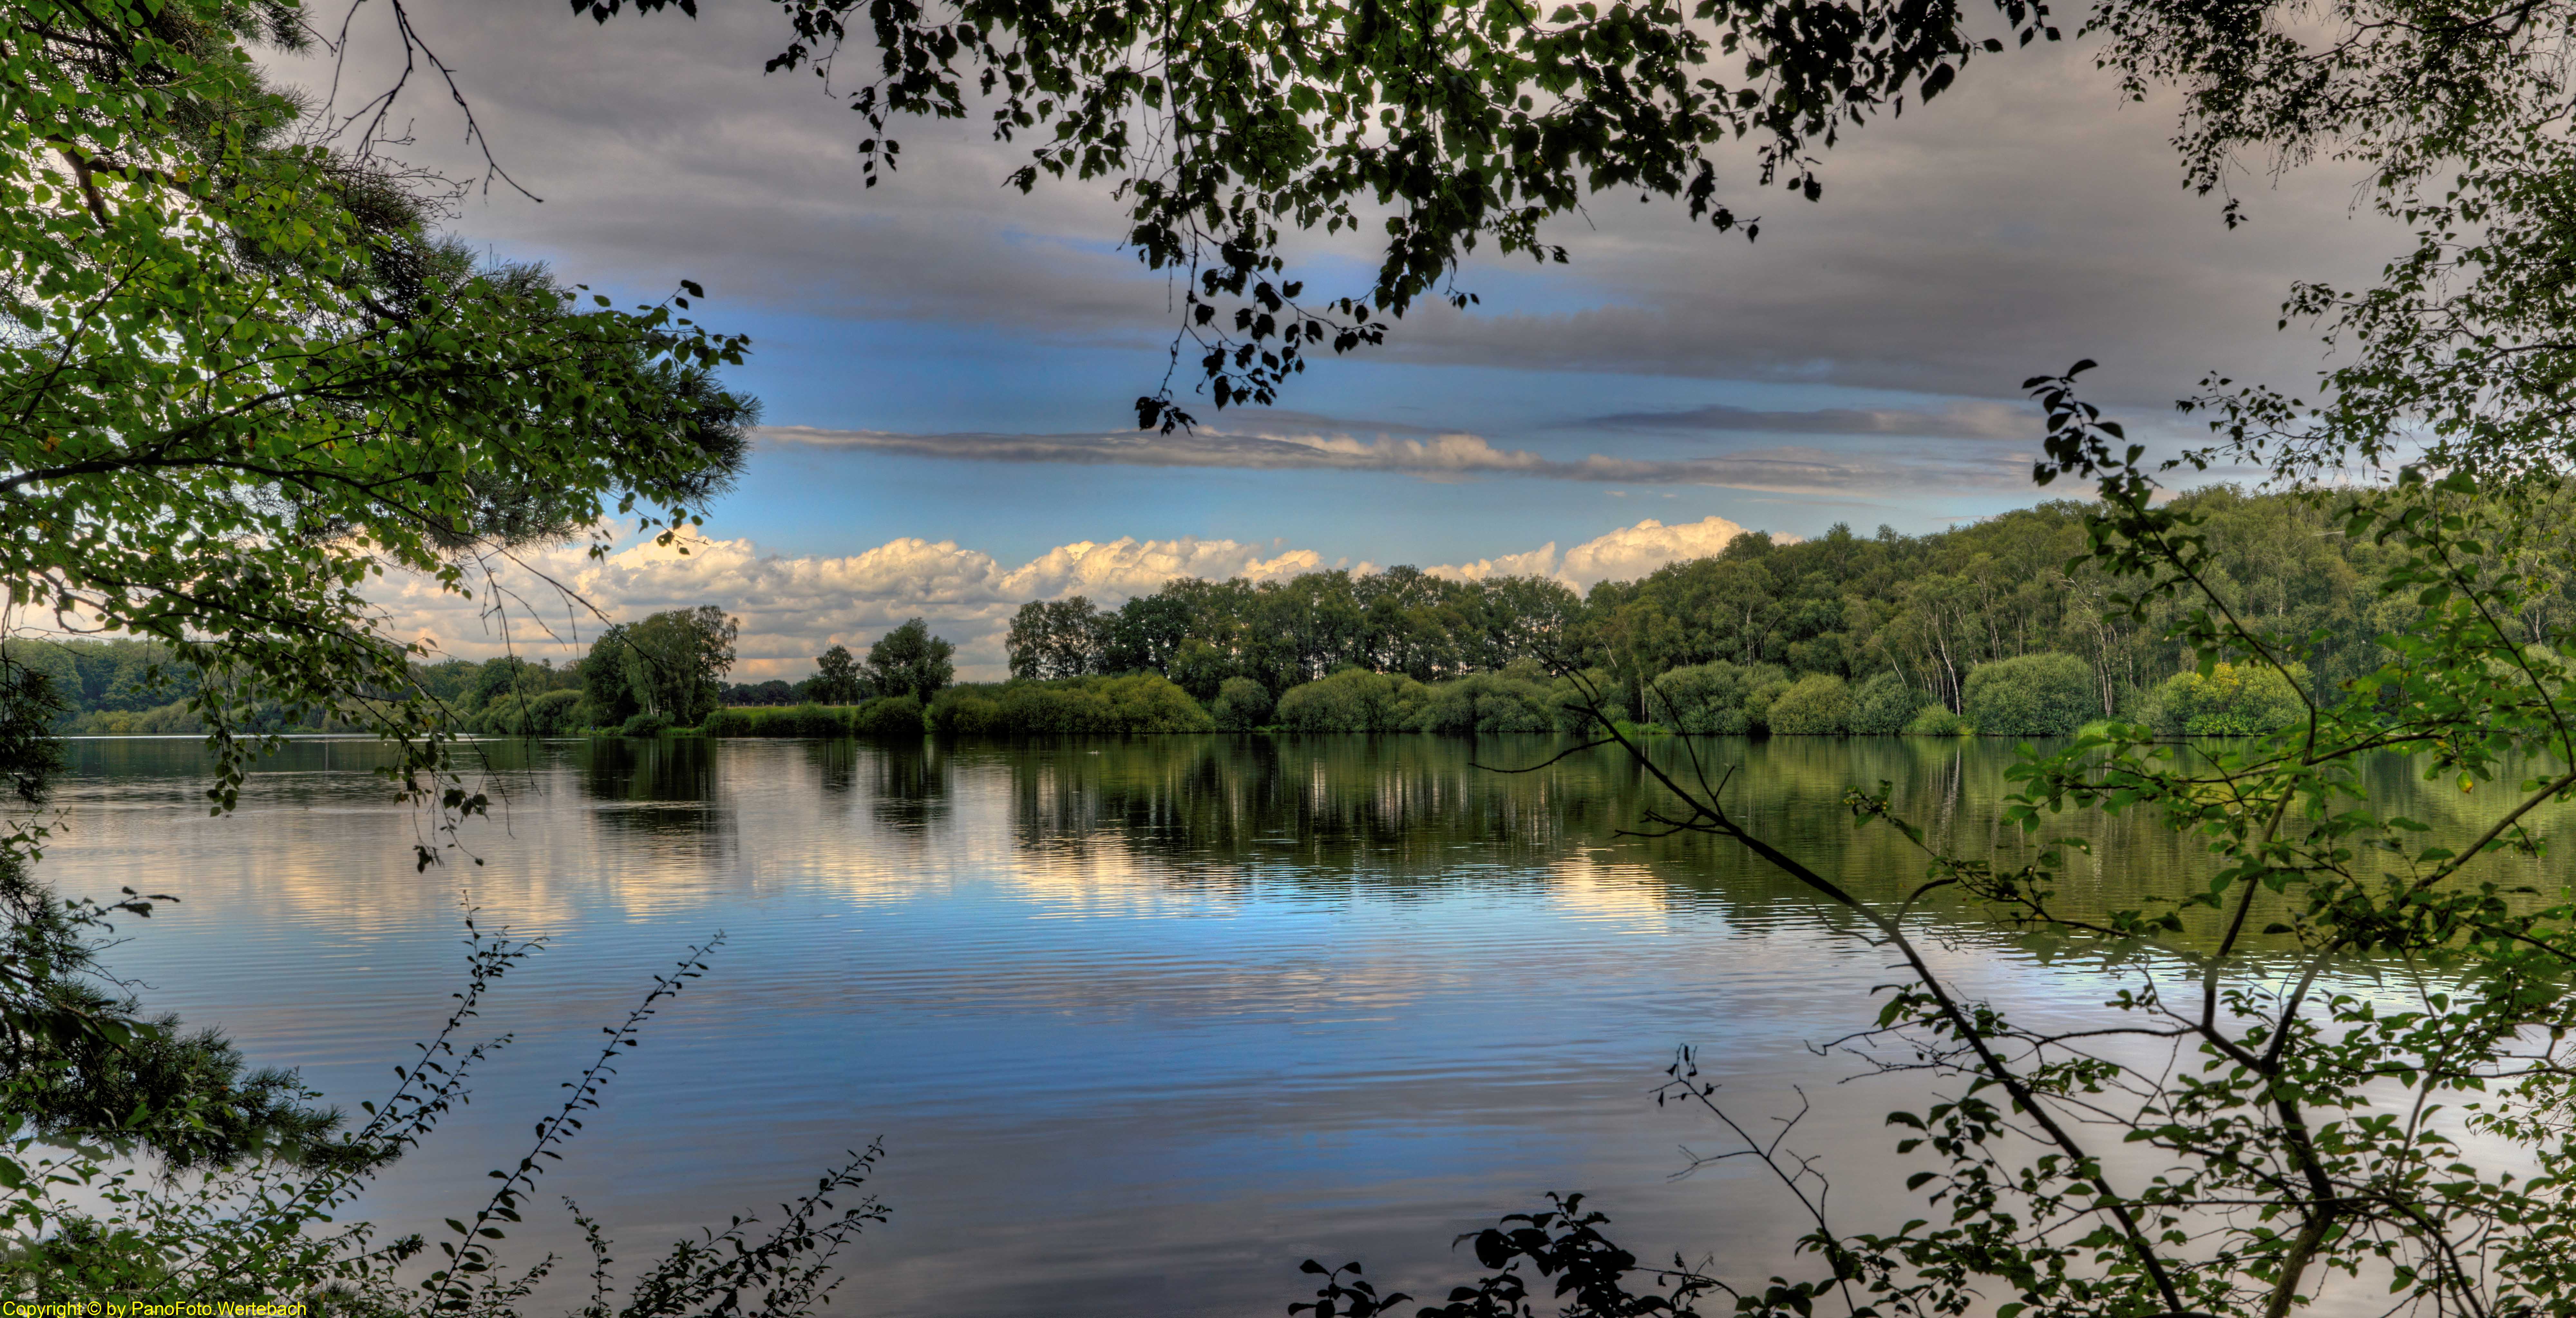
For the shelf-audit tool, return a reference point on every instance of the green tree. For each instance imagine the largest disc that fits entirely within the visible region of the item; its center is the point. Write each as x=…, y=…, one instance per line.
x=836, y=679
x=243, y=378
x=1069, y=637
x=1202, y=669
x=674, y=662
x=607, y=691
x=909, y=661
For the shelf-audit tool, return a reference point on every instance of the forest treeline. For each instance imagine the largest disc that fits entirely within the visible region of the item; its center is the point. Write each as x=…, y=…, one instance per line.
x=1873, y=633
x=1977, y=628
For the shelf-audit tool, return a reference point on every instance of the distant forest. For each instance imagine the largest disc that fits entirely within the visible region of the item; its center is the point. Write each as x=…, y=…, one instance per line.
x=1879, y=633
x=1927, y=609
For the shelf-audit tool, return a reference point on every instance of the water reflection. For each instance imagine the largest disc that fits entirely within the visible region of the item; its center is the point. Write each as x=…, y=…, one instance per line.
x=1143, y=1021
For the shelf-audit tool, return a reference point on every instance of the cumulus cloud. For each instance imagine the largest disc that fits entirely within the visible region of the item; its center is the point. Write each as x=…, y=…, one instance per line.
x=1438, y=457
x=1621, y=555
x=552, y=603
x=792, y=609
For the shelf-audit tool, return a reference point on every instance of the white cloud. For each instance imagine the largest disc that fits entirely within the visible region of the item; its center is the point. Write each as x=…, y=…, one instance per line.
x=1624, y=554
x=1634, y=551
x=794, y=608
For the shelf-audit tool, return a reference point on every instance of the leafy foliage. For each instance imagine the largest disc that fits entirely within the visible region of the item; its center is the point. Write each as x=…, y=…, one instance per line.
x=1817, y=705
x=2321, y=1056
x=2228, y=701
x=1926, y=611
x=243, y=380
x=1241, y=705
x=836, y=678
x=2035, y=695
x=909, y=661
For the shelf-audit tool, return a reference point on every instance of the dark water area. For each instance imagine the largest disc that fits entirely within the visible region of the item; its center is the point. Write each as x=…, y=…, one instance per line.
x=1141, y=1023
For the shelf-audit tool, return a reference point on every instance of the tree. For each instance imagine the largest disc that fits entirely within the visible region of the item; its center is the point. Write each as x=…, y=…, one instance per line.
x=2289, y=1132
x=674, y=662
x=1069, y=637
x=910, y=661
x=836, y=679
x=247, y=378
x=243, y=378
x=605, y=685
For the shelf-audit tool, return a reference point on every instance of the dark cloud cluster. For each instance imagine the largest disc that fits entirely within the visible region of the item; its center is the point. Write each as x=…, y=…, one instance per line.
x=2028, y=218
x=1436, y=457
x=1962, y=420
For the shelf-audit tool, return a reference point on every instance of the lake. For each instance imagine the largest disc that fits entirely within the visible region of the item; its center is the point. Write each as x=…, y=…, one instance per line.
x=1141, y=1023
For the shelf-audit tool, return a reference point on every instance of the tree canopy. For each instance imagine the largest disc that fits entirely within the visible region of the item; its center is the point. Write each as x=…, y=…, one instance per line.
x=243, y=377
x=909, y=661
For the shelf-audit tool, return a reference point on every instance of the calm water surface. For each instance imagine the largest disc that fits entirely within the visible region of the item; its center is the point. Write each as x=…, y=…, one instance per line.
x=1141, y=1023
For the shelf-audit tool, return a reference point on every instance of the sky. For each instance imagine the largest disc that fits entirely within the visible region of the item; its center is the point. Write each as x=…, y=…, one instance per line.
x=948, y=367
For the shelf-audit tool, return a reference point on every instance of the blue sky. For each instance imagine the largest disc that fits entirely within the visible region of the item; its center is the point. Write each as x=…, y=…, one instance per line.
x=949, y=363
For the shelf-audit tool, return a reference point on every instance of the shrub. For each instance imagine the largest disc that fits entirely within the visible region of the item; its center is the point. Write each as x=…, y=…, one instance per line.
x=1354, y=701
x=1817, y=705
x=1150, y=703
x=1884, y=705
x=1765, y=691
x=1051, y=709
x=1488, y=702
x=160, y=720
x=2233, y=701
x=1709, y=699
x=811, y=720
x=733, y=721
x=2034, y=695
x=644, y=725
x=1241, y=705
x=546, y=715
x=1137, y=703
x=791, y=721
x=888, y=716
x=1936, y=721
x=966, y=711
x=1569, y=698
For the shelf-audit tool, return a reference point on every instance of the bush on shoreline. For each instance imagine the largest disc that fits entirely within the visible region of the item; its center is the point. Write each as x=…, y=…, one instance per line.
x=2031, y=695
x=2232, y=701
x=1139, y=703
x=2036, y=695
x=885, y=716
